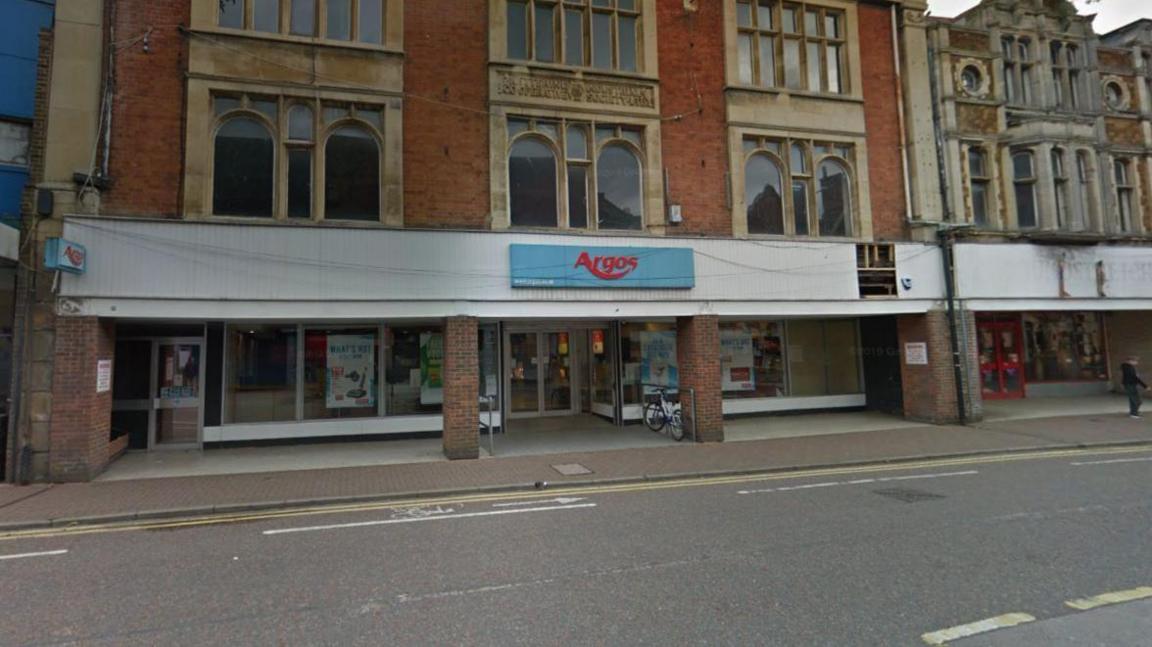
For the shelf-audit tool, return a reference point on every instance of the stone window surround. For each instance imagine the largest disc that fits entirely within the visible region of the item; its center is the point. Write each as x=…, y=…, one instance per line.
x=652, y=180
x=204, y=19
x=1135, y=188
x=852, y=73
x=646, y=46
x=861, y=223
x=1125, y=104
x=991, y=210
x=200, y=145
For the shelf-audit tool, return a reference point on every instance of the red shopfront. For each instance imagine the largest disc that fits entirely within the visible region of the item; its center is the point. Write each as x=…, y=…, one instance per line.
x=1000, y=349
x=1042, y=354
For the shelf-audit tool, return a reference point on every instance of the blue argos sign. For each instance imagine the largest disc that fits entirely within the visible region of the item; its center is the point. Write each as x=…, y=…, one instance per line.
x=569, y=266
x=65, y=256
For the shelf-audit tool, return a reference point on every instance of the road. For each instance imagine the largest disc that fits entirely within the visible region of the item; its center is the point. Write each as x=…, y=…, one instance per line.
x=891, y=555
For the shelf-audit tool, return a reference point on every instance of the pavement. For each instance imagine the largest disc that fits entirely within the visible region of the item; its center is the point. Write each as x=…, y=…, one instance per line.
x=109, y=501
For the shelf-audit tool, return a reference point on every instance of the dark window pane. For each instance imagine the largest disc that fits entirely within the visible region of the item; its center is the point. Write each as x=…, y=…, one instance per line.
x=266, y=15
x=628, y=5
x=352, y=176
x=620, y=200
x=1022, y=165
x=763, y=197
x=300, y=183
x=976, y=162
x=1025, y=205
x=304, y=17
x=340, y=19
x=532, y=184
x=231, y=14
x=371, y=21
x=833, y=199
x=242, y=171
x=574, y=37
x=800, y=206
x=627, y=43
x=980, y=203
x=545, y=33
x=577, y=196
x=743, y=14
x=577, y=142
x=517, y=30
x=260, y=374
x=300, y=123
x=602, y=40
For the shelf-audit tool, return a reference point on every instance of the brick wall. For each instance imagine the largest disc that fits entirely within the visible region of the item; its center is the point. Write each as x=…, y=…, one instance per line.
x=81, y=417
x=930, y=390
x=446, y=174
x=691, y=52
x=881, y=104
x=146, y=152
x=461, y=388
x=698, y=357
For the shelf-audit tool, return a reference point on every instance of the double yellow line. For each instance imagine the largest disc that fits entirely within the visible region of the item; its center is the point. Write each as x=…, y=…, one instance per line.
x=227, y=518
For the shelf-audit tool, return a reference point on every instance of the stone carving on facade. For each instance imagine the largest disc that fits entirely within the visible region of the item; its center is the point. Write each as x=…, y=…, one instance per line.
x=971, y=78
x=576, y=90
x=913, y=17
x=1115, y=92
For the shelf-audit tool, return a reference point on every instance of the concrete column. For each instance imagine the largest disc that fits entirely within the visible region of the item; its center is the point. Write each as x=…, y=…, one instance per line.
x=81, y=414
x=461, y=388
x=698, y=357
x=930, y=389
x=921, y=134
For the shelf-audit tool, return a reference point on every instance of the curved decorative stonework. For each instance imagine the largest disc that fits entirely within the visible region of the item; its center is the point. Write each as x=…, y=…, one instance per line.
x=1125, y=100
x=985, y=87
x=558, y=88
x=913, y=17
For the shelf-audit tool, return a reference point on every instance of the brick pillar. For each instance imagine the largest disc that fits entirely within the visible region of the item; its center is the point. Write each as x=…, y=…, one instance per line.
x=930, y=389
x=698, y=356
x=81, y=417
x=461, y=388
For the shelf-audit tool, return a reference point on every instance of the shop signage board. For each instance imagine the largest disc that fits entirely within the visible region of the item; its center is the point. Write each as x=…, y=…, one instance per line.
x=916, y=353
x=65, y=256
x=576, y=266
x=351, y=371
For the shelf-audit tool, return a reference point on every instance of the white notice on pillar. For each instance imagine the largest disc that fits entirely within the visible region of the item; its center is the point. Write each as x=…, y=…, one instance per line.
x=916, y=353
x=103, y=375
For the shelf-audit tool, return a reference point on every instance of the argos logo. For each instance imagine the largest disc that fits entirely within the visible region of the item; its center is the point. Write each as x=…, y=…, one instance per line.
x=609, y=268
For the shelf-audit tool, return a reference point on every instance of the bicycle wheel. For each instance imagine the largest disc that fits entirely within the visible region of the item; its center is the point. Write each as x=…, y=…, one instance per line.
x=676, y=426
x=654, y=416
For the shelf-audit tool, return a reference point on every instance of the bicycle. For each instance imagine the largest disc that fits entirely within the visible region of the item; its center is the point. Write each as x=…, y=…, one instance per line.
x=663, y=412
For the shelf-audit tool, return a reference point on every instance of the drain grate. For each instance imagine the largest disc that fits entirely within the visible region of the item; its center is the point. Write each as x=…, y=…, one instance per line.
x=908, y=495
x=571, y=469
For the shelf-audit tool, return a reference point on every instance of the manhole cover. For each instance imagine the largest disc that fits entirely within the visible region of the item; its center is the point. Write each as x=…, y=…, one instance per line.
x=571, y=469
x=907, y=495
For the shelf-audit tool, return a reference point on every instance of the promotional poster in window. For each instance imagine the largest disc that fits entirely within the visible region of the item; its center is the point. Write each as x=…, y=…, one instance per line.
x=351, y=371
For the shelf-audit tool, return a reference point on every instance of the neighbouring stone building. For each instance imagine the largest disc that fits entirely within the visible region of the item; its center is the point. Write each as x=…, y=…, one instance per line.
x=333, y=218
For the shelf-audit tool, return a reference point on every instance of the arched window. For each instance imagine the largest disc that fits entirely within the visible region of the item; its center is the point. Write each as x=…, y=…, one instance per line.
x=532, y=180
x=763, y=195
x=351, y=175
x=243, y=171
x=620, y=199
x=833, y=199
x=1024, y=181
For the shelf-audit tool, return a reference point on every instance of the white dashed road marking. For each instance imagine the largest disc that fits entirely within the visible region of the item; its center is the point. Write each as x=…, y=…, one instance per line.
x=973, y=628
x=1116, y=460
x=47, y=553
x=882, y=479
x=1115, y=597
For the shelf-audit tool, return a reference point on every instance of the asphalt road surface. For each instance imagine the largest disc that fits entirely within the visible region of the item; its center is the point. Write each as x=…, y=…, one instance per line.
x=895, y=555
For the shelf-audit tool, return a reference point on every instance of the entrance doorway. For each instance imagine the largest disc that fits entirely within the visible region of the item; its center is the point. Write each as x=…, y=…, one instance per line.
x=158, y=392
x=1001, y=365
x=553, y=370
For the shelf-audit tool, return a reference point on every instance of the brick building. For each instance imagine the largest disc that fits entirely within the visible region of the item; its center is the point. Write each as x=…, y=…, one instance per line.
x=1047, y=149
x=322, y=218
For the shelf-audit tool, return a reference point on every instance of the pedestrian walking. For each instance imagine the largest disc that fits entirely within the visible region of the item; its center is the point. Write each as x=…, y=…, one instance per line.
x=1130, y=378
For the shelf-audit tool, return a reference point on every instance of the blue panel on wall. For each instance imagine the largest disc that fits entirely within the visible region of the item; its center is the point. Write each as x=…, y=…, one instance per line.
x=573, y=266
x=20, y=25
x=11, y=186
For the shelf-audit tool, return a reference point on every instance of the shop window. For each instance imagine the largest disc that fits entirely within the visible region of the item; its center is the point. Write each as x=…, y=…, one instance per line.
x=344, y=20
x=489, y=348
x=978, y=182
x=794, y=159
x=252, y=133
x=601, y=160
x=1024, y=182
x=243, y=169
x=352, y=175
x=1064, y=347
x=791, y=45
x=413, y=364
x=823, y=357
x=260, y=384
x=1122, y=176
x=763, y=194
x=341, y=373
x=752, y=359
x=648, y=357
x=603, y=34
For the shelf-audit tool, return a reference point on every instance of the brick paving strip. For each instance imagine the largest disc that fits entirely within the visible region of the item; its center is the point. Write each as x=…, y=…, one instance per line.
x=79, y=503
